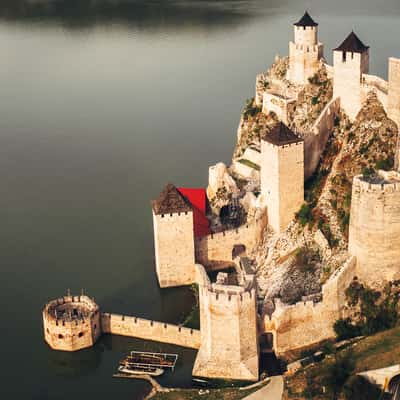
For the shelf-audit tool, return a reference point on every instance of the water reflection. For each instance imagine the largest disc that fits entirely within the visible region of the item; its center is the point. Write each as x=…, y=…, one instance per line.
x=140, y=14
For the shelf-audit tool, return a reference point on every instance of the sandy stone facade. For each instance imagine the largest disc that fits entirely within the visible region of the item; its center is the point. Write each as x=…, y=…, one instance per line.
x=71, y=323
x=229, y=336
x=282, y=181
x=374, y=236
x=141, y=328
x=304, y=54
x=174, y=248
x=306, y=323
x=347, y=80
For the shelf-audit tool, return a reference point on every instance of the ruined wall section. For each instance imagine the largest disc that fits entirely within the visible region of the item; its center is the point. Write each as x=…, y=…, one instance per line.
x=374, y=234
x=229, y=339
x=174, y=248
x=214, y=251
x=280, y=105
x=71, y=335
x=123, y=325
x=307, y=323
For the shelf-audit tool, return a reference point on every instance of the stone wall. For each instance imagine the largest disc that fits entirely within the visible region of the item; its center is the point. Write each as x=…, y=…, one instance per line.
x=374, y=234
x=307, y=323
x=394, y=100
x=215, y=250
x=372, y=83
x=123, y=325
x=282, y=182
x=315, y=141
x=71, y=335
x=174, y=248
x=229, y=338
x=347, y=78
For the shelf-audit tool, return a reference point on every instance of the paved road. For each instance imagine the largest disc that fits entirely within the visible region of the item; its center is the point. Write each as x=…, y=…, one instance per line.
x=273, y=391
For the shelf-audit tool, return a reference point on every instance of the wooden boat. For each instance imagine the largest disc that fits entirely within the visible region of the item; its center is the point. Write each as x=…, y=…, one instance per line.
x=132, y=369
x=159, y=360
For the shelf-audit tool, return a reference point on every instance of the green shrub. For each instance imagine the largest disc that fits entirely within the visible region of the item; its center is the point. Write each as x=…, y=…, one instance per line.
x=345, y=329
x=385, y=164
x=304, y=216
x=359, y=388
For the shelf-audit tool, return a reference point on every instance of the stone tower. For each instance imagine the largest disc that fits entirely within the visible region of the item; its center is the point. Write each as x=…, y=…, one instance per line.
x=71, y=323
x=173, y=238
x=282, y=175
x=374, y=235
x=350, y=62
x=229, y=339
x=305, y=52
x=394, y=100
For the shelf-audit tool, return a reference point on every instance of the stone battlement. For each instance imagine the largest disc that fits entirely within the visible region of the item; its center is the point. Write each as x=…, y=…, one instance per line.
x=382, y=186
x=124, y=325
x=307, y=48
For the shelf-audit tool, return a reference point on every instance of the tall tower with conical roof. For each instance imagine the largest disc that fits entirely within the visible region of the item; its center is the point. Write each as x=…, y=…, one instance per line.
x=350, y=62
x=305, y=52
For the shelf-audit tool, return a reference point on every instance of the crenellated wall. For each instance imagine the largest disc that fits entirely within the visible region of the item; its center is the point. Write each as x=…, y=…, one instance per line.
x=307, y=323
x=215, y=250
x=150, y=330
x=374, y=234
x=280, y=105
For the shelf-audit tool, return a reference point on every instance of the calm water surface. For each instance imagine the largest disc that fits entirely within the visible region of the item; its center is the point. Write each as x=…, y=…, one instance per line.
x=100, y=106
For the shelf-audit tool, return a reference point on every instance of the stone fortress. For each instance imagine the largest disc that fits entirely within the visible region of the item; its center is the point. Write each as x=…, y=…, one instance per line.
x=209, y=237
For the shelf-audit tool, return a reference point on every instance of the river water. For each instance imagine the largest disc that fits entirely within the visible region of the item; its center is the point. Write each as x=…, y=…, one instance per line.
x=100, y=106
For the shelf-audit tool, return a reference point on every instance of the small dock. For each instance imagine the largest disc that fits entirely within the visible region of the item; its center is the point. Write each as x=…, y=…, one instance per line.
x=155, y=360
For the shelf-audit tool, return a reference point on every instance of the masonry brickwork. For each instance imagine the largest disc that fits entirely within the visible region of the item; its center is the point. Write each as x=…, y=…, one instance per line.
x=307, y=323
x=282, y=181
x=71, y=323
x=214, y=251
x=304, y=54
x=229, y=336
x=174, y=248
x=374, y=233
x=347, y=79
x=141, y=328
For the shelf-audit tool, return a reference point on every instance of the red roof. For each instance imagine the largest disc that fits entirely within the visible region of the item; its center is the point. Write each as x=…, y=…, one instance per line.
x=198, y=199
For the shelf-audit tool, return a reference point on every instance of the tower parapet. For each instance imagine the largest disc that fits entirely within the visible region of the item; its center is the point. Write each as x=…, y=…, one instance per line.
x=305, y=52
x=350, y=62
x=71, y=323
x=374, y=235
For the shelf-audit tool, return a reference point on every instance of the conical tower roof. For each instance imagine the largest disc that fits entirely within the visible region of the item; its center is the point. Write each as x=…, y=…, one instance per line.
x=352, y=44
x=306, y=20
x=170, y=201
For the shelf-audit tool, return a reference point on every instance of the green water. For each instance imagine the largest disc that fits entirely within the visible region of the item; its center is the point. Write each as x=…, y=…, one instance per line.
x=100, y=106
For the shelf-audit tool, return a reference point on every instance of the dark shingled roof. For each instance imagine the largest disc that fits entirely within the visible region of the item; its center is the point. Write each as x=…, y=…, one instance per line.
x=352, y=44
x=171, y=201
x=281, y=134
x=306, y=20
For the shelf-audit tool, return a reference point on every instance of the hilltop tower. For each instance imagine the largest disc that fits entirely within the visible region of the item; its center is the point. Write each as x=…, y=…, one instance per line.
x=282, y=175
x=374, y=234
x=229, y=338
x=71, y=323
x=173, y=238
x=394, y=100
x=305, y=52
x=350, y=62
